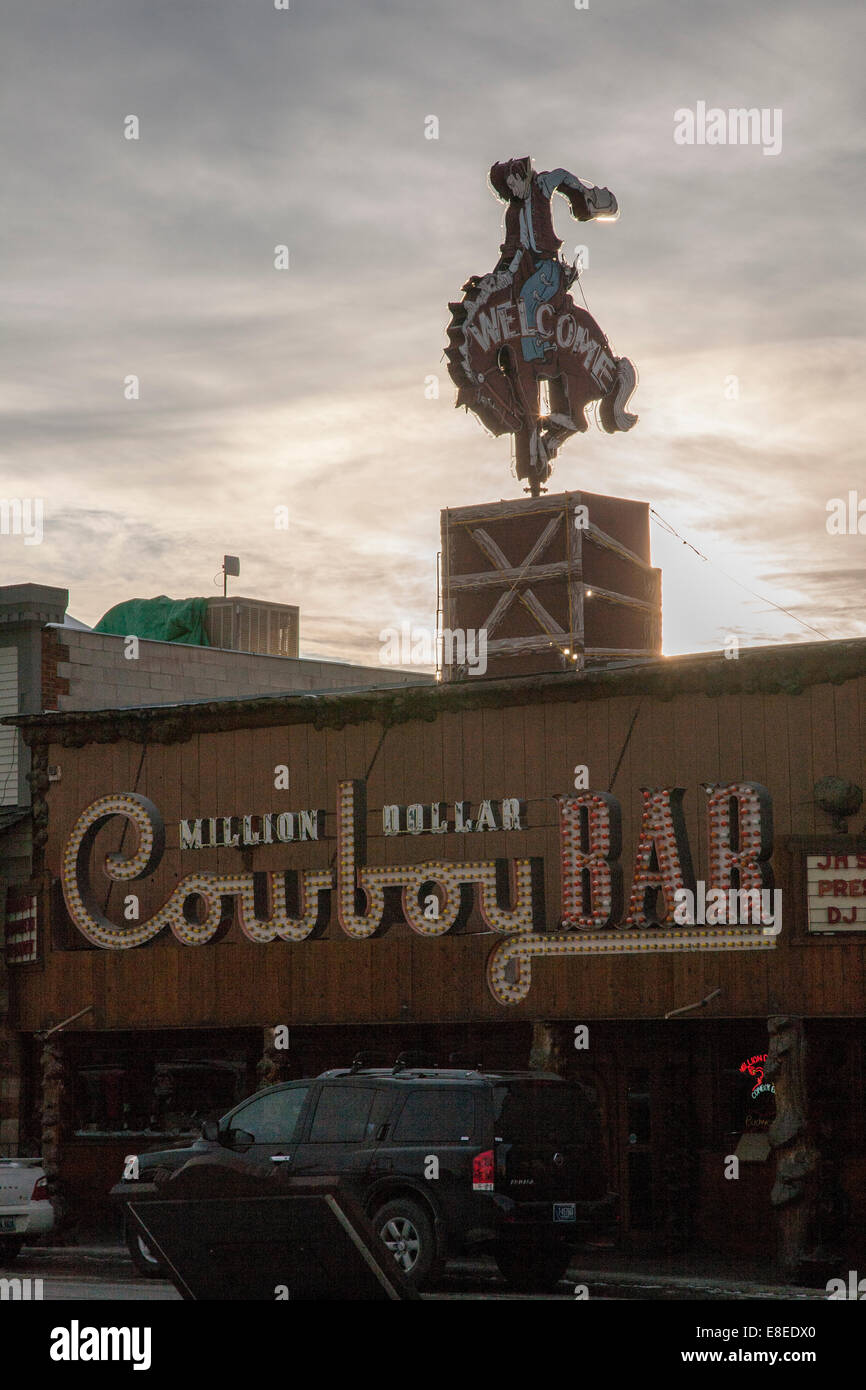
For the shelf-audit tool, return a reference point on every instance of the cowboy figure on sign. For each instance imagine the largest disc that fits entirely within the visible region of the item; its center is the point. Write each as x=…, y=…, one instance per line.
x=529, y=236
x=518, y=326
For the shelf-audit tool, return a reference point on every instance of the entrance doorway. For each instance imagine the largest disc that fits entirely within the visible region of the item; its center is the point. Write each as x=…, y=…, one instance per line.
x=648, y=1091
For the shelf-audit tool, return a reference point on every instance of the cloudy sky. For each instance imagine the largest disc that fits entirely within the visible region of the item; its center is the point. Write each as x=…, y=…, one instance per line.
x=305, y=388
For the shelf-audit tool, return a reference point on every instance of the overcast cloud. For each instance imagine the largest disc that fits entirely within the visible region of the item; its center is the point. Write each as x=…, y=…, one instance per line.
x=305, y=388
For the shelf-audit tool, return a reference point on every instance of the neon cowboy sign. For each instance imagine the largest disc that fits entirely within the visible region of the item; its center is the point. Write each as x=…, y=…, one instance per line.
x=755, y=1067
x=435, y=895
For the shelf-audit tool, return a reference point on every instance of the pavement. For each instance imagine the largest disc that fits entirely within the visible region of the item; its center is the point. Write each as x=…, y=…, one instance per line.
x=704, y=1275
x=607, y=1274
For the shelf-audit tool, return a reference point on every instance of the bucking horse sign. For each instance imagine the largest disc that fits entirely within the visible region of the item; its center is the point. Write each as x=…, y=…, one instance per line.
x=519, y=326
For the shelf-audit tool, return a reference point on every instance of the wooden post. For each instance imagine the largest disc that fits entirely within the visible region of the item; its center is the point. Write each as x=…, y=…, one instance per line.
x=274, y=1065
x=546, y=1052
x=574, y=550
x=10, y=1072
x=53, y=1087
x=794, y=1195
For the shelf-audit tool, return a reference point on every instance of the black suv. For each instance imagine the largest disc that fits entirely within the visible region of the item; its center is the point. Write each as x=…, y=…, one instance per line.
x=443, y=1161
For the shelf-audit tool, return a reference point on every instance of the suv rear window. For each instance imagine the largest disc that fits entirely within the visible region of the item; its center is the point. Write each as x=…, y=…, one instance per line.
x=433, y=1116
x=342, y=1114
x=540, y=1112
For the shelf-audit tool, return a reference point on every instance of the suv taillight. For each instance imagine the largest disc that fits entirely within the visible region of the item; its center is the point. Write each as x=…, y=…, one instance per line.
x=482, y=1172
x=40, y=1191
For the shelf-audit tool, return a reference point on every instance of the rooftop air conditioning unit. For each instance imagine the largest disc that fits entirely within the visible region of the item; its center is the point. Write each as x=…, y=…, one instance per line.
x=253, y=625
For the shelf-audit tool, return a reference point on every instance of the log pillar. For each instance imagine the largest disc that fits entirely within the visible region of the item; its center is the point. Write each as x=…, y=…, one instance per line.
x=547, y=1052
x=274, y=1064
x=53, y=1087
x=794, y=1195
x=10, y=1080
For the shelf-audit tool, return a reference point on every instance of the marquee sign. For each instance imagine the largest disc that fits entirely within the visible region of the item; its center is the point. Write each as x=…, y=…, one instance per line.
x=434, y=896
x=243, y=832
x=836, y=888
x=518, y=326
x=284, y=827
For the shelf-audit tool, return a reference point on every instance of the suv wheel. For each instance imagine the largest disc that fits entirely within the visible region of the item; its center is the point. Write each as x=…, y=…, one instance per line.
x=10, y=1247
x=532, y=1268
x=141, y=1254
x=407, y=1230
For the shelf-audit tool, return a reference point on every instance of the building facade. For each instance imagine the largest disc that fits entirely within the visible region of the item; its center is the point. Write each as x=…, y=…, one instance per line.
x=490, y=869
x=50, y=662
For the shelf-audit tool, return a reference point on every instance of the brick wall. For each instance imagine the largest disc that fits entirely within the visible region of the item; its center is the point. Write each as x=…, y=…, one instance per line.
x=94, y=673
x=53, y=654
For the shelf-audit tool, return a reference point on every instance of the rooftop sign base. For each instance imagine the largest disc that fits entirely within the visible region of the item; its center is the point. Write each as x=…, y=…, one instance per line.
x=554, y=583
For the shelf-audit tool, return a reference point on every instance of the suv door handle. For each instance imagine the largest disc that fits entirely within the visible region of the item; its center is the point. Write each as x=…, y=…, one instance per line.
x=281, y=1158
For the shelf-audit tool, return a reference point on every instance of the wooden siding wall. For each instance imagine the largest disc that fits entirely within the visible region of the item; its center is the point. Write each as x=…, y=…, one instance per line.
x=785, y=741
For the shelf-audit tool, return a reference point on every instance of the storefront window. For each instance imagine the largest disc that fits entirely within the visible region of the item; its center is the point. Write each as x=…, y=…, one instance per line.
x=748, y=1102
x=168, y=1098
x=131, y=1088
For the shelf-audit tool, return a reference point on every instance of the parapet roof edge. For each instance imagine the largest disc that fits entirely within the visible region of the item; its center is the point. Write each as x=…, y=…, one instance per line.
x=780, y=669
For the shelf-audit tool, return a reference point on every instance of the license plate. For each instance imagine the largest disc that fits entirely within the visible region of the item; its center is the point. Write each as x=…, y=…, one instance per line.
x=564, y=1211
x=7, y=1223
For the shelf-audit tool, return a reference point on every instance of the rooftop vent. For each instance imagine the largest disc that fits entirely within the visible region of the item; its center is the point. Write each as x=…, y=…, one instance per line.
x=253, y=625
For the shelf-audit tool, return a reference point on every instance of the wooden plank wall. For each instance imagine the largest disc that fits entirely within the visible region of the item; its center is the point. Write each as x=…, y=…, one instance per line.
x=785, y=741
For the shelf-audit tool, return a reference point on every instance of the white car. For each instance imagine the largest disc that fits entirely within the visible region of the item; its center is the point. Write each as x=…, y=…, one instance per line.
x=25, y=1210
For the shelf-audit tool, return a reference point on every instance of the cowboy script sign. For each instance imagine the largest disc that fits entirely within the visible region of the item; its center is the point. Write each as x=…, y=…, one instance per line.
x=435, y=896
x=518, y=327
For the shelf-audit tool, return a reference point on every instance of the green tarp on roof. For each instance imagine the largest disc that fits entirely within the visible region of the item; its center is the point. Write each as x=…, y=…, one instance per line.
x=159, y=619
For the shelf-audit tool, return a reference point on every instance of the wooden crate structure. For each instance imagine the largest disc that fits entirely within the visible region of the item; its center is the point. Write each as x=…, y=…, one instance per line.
x=557, y=583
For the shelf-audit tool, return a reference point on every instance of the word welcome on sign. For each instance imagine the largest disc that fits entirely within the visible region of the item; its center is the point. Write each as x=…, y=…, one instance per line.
x=292, y=905
x=508, y=322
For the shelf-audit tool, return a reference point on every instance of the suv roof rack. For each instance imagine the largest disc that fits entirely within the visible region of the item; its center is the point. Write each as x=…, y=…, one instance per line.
x=414, y=1059
x=362, y=1060
x=404, y=1070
